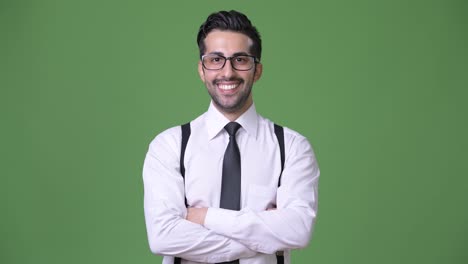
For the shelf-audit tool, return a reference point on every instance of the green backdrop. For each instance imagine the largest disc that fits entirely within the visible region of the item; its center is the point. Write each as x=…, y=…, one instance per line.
x=379, y=88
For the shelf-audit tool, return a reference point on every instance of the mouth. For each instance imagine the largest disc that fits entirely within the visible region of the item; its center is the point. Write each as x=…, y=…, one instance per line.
x=228, y=85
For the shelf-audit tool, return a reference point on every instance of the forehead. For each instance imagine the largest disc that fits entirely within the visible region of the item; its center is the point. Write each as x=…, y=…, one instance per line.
x=227, y=42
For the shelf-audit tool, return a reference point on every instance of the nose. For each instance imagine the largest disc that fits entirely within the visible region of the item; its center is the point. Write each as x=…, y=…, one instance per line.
x=227, y=71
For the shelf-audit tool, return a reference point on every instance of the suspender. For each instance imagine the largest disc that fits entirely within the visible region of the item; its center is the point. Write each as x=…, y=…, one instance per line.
x=185, y=137
x=279, y=132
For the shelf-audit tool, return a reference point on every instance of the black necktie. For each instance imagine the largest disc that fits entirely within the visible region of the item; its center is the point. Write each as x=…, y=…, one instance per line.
x=231, y=182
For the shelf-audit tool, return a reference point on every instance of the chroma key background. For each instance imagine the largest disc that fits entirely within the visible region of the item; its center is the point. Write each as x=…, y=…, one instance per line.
x=379, y=88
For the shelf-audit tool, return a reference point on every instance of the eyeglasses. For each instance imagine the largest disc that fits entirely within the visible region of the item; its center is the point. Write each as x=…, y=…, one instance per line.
x=238, y=62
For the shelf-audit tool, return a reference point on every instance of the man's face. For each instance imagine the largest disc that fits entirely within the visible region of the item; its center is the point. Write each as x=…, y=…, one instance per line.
x=230, y=89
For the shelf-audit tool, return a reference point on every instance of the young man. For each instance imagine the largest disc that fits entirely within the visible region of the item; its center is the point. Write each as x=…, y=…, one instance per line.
x=239, y=189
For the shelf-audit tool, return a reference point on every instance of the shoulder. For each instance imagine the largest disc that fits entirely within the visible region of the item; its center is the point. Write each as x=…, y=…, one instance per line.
x=294, y=141
x=293, y=135
x=168, y=141
x=289, y=134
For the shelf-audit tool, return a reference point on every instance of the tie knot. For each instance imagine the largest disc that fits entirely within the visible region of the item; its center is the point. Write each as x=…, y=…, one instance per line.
x=232, y=128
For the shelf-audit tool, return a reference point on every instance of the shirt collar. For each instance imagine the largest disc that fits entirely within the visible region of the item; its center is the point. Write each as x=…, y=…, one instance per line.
x=215, y=121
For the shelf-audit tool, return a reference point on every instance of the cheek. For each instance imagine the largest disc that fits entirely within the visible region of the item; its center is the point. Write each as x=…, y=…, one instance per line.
x=250, y=77
x=207, y=77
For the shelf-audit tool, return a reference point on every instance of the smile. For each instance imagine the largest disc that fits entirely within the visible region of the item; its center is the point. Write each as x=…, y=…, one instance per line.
x=227, y=86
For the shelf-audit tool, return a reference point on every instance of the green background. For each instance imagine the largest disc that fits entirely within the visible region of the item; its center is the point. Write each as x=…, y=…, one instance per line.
x=379, y=88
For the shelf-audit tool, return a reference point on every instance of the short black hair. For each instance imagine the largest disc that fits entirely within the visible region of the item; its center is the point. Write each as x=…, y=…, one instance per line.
x=230, y=21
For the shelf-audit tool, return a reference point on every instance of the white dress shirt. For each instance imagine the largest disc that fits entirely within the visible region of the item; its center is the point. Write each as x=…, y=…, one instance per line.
x=253, y=234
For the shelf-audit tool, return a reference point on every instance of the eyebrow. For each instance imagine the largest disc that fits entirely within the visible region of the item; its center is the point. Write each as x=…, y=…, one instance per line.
x=235, y=54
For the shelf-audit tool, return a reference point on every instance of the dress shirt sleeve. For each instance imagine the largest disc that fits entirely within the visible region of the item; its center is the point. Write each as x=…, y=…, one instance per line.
x=290, y=225
x=169, y=233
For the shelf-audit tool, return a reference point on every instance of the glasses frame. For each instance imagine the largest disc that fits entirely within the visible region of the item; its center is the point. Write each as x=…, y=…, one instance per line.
x=256, y=61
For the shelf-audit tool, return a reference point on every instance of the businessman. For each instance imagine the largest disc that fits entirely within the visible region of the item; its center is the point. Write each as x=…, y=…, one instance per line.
x=230, y=186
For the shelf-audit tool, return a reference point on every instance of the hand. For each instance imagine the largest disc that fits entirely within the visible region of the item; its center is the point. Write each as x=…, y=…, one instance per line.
x=196, y=215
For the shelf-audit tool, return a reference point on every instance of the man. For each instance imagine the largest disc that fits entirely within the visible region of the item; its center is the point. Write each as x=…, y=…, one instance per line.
x=229, y=199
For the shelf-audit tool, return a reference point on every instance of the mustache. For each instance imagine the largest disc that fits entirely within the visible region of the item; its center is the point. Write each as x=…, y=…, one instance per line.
x=228, y=80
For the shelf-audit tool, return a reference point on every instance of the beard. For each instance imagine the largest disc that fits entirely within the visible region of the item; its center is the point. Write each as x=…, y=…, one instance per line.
x=240, y=98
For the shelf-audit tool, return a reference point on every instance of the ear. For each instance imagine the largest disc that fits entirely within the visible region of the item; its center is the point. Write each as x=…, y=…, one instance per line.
x=258, y=71
x=201, y=72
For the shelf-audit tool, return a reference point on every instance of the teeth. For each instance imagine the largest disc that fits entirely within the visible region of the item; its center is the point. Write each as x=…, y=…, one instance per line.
x=227, y=87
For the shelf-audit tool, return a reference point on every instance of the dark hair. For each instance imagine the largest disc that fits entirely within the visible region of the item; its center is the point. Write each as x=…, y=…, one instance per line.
x=230, y=21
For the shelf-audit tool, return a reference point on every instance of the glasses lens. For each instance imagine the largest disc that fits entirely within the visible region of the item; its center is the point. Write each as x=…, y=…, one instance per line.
x=213, y=62
x=242, y=62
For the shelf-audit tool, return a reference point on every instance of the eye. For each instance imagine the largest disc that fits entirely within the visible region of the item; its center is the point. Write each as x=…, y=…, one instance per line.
x=241, y=60
x=216, y=59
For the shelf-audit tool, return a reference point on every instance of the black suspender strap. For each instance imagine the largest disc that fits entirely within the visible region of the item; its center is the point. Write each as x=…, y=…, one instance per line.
x=185, y=137
x=279, y=132
x=280, y=257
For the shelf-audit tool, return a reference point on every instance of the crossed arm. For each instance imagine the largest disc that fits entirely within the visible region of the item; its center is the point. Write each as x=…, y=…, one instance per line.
x=197, y=215
x=218, y=235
